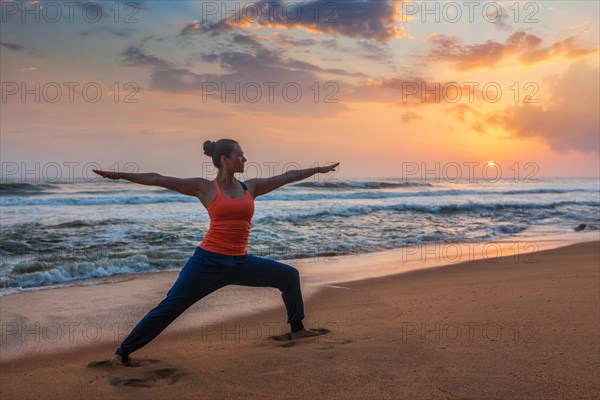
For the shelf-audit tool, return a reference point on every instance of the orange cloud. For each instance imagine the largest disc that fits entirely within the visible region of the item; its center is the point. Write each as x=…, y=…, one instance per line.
x=570, y=122
x=520, y=45
x=416, y=91
x=460, y=111
x=410, y=116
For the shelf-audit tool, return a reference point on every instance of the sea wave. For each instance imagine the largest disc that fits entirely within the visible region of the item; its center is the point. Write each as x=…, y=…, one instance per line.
x=423, y=208
x=164, y=196
x=36, y=273
x=282, y=196
x=97, y=200
x=346, y=185
x=25, y=188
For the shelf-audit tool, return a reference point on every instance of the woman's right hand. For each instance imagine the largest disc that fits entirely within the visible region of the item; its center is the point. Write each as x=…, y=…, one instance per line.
x=108, y=174
x=327, y=168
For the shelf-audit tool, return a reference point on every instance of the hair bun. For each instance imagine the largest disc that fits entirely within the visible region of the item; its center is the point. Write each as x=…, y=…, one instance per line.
x=209, y=148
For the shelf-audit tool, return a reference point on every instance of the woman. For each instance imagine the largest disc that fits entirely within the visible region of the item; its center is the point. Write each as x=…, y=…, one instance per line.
x=221, y=259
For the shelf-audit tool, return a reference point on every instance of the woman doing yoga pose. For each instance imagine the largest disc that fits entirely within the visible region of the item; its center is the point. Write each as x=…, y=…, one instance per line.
x=221, y=259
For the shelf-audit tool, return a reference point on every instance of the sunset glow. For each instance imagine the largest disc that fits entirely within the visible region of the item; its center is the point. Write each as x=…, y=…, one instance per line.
x=374, y=86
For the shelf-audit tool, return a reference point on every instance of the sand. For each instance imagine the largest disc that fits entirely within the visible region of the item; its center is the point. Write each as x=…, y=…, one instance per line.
x=497, y=328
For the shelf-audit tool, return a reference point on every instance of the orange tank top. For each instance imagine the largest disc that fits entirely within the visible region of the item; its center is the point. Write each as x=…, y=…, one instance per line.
x=230, y=221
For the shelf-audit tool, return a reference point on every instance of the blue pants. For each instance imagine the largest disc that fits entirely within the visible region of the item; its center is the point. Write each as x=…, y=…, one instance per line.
x=206, y=272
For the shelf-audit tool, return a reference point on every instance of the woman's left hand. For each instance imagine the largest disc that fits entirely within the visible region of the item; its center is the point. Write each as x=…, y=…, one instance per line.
x=327, y=168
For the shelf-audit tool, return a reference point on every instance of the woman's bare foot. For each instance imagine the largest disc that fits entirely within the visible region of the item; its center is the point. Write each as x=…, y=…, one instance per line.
x=305, y=333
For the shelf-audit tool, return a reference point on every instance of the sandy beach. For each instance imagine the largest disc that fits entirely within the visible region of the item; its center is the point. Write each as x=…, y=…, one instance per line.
x=508, y=327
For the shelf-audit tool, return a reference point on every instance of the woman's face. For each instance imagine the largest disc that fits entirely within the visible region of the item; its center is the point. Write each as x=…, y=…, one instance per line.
x=236, y=160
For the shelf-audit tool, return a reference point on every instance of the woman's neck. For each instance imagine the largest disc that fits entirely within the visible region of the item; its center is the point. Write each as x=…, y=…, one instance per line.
x=226, y=177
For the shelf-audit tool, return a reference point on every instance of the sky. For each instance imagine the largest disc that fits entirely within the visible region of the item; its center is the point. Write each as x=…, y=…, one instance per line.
x=387, y=88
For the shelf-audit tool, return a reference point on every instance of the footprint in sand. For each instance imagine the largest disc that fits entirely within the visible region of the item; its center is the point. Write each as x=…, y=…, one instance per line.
x=140, y=373
x=288, y=342
x=332, y=344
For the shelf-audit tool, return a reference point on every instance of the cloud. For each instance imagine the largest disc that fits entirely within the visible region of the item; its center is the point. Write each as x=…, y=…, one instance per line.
x=247, y=40
x=266, y=64
x=356, y=19
x=570, y=122
x=244, y=71
x=287, y=41
x=460, y=111
x=197, y=113
x=373, y=51
x=499, y=21
x=255, y=63
x=136, y=57
x=12, y=46
x=410, y=116
x=120, y=32
x=123, y=11
x=520, y=45
x=190, y=28
x=415, y=90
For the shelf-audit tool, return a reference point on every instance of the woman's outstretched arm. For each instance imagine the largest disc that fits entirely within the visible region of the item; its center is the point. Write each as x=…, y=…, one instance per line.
x=266, y=185
x=190, y=187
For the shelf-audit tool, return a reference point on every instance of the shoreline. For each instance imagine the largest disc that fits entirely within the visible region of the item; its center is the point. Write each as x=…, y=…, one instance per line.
x=424, y=248
x=507, y=329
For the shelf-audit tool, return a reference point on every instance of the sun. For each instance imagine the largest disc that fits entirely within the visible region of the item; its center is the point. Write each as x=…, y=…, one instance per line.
x=491, y=164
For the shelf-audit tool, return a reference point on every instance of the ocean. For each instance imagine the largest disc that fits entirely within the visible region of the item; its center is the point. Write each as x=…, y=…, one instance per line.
x=55, y=233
